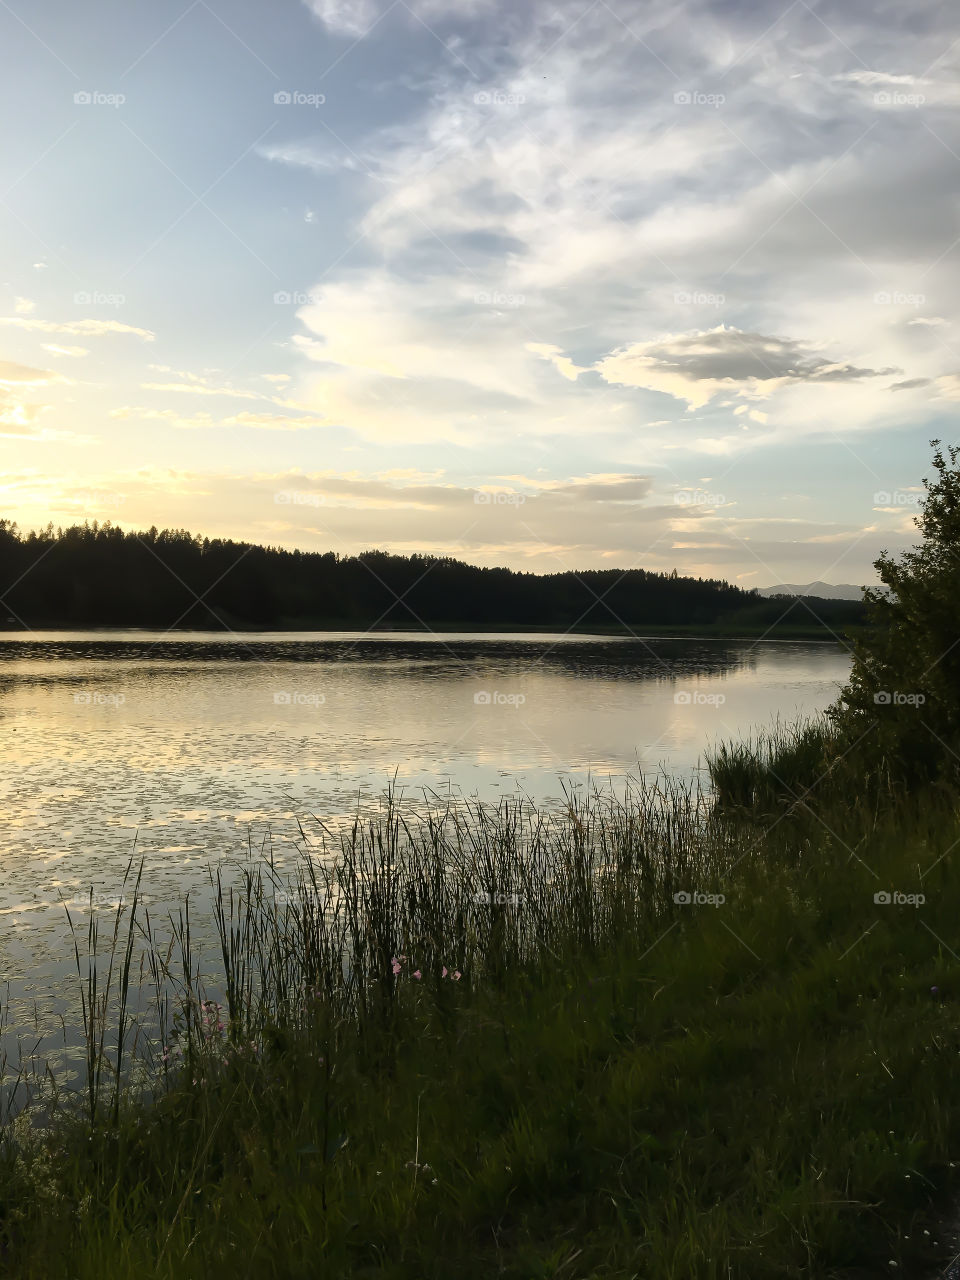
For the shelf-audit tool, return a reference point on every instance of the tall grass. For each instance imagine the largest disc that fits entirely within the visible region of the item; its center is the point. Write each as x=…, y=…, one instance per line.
x=778, y=769
x=465, y=888
x=654, y=1036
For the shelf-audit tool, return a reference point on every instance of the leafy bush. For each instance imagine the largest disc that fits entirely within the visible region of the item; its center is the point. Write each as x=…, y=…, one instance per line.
x=900, y=713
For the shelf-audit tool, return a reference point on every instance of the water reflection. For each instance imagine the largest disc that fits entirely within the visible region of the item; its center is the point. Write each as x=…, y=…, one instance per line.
x=207, y=748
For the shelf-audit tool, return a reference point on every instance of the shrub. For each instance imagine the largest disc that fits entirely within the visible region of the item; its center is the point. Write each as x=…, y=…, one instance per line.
x=900, y=712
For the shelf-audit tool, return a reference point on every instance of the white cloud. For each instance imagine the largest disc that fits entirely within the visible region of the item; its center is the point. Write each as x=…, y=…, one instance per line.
x=56, y=350
x=273, y=422
x=13, y=374
x=589, y=205
x=563, y=364
x=200, y=389
x=346, y=17
x=20, y=421
x=204, y=421
x=87, y=328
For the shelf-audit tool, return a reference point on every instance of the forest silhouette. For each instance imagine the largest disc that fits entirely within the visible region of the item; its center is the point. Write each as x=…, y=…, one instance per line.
x=101, y=575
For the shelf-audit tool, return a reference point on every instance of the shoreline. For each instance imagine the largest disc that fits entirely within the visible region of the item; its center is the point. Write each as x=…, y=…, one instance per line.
x=679, y=631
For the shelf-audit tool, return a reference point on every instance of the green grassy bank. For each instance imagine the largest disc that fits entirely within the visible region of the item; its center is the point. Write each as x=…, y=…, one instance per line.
x=619, y=1083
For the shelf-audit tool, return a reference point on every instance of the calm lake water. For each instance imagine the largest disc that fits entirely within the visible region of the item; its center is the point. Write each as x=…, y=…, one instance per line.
x=192, y=750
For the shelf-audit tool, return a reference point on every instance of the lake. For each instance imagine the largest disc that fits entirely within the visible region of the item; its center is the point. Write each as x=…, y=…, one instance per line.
x=197, y=749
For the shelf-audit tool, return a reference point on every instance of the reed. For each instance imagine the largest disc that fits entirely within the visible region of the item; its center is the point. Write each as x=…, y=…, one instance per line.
x=655, y=1035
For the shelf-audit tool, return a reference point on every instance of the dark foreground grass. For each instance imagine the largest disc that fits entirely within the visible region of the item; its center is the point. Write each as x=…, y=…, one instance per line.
x=618, y=1084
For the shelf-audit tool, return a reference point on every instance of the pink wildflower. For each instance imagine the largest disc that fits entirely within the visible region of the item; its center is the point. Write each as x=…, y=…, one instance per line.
x=418, y=975
x=444, y=974
x=457, y=975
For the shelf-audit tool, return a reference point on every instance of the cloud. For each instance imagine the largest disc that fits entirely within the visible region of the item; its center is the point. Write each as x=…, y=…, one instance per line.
x=273, y=422
x=563, y=364
x=16, y=419
x=205, y=421
x=56, y=350
x=346, y=17
x=200, y=389
x=872, y=78
x=392, y=328
x=88, y=328
x=910, y=384
x=171, y=416
x=23, y=306
x=696, y=366
x=13, y=374
x=593, y=207
x=19, y=421
x=300, y=155
x=358, y=18
x=600, y=488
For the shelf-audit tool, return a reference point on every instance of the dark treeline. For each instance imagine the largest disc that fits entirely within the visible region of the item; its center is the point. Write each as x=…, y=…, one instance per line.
x=100, y=575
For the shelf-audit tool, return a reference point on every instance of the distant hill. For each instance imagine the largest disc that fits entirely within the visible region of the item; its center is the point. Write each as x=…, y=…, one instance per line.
x=822, y=590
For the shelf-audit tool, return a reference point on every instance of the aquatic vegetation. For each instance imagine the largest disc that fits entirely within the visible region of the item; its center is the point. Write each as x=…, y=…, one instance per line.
x=657, y=1036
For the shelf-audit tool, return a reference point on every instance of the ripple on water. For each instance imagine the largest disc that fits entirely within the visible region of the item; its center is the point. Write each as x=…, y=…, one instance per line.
x=183, y=751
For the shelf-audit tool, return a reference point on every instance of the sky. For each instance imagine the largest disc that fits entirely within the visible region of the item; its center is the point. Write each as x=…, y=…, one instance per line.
x=548, y=285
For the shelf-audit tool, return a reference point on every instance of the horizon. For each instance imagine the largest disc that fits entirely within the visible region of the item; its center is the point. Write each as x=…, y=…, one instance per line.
x=374, y=550
x=518, y=287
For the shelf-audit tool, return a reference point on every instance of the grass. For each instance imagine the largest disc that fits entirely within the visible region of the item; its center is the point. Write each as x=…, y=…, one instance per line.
x=620, y=1082
x=774, y=773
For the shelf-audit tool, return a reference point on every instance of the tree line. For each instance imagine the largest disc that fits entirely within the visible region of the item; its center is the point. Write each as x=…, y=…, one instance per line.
x=100, y=575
